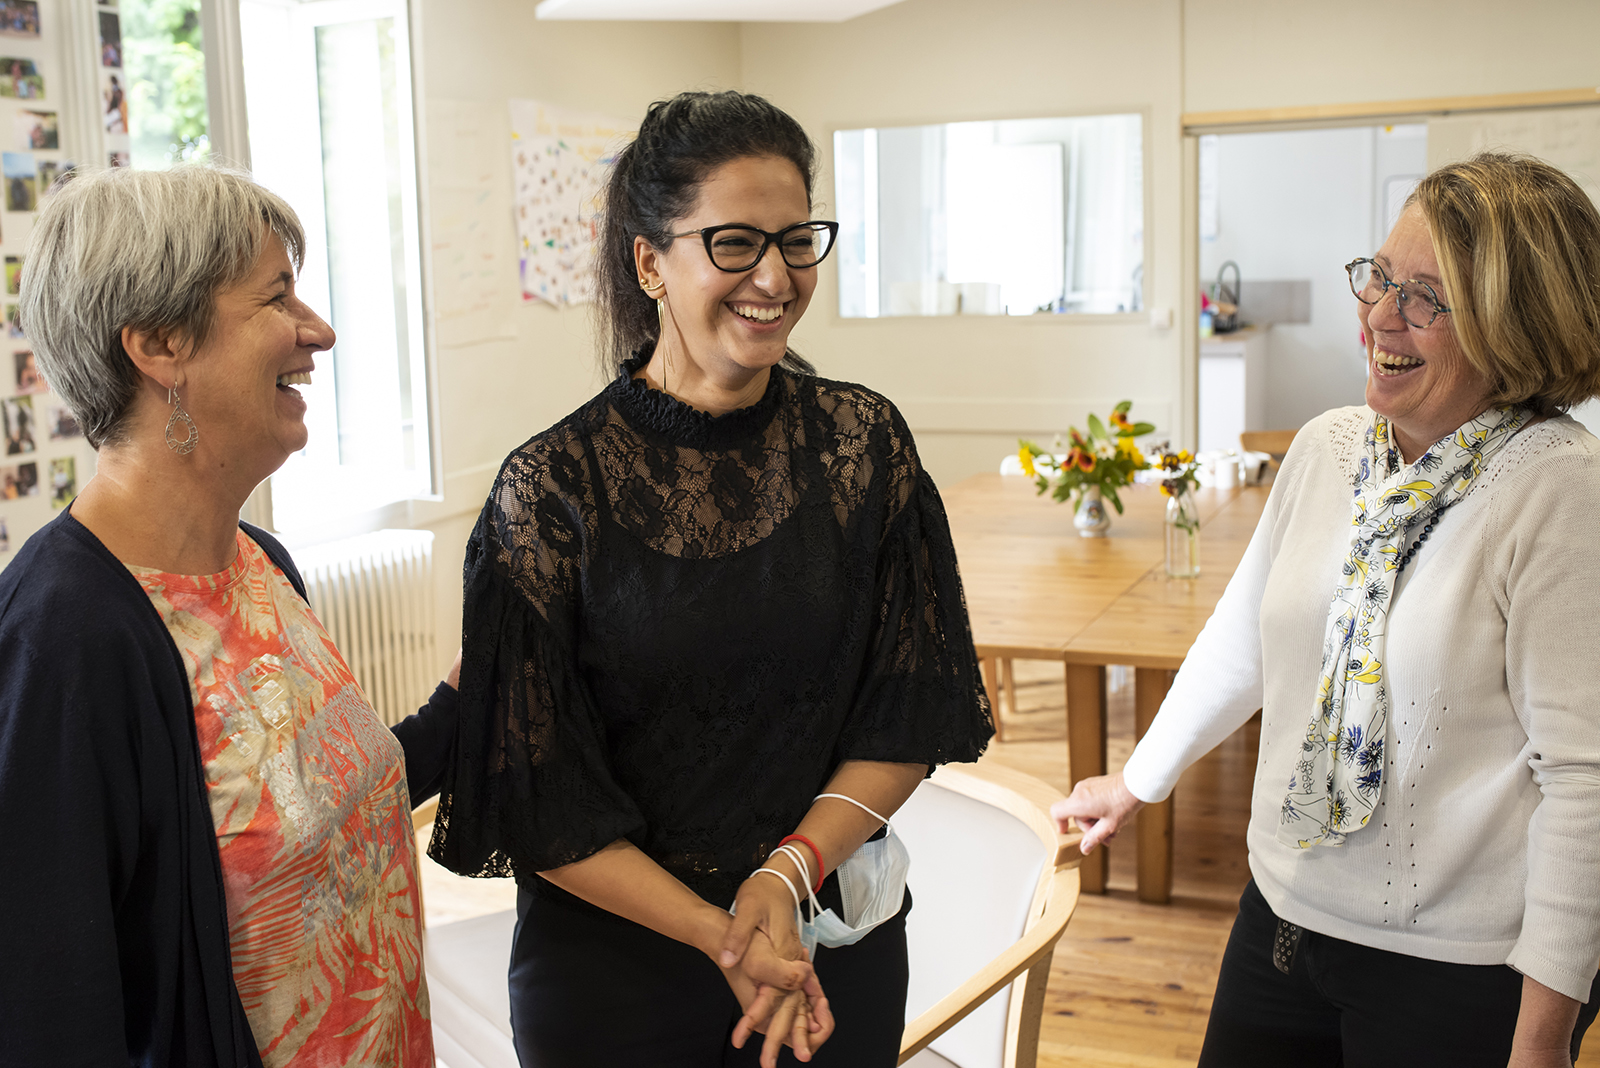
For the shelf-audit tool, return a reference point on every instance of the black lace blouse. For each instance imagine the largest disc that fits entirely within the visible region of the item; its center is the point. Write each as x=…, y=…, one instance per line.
x=677, y=626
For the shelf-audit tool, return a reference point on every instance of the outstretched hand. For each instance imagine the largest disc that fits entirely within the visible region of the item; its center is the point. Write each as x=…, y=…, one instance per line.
x=1100, y=806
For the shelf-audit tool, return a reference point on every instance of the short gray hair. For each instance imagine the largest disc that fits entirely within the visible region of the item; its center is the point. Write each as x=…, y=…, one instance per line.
x=146, y=249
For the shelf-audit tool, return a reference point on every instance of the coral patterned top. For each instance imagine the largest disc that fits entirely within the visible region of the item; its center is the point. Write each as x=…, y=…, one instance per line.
x=308, y=794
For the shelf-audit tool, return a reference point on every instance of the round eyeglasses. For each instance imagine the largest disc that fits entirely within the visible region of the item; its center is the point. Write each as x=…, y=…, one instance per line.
x=735, y=248
x=1419, y=305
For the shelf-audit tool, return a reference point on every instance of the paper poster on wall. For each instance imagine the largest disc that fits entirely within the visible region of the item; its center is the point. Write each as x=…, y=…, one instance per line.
x=63, y=481
x=19, y=18
x=20, y=78
x=559, y=161
x=17, y=419
x=37, y=129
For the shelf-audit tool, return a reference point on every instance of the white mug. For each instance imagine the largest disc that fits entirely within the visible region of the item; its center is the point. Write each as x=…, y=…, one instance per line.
x=1227, y=472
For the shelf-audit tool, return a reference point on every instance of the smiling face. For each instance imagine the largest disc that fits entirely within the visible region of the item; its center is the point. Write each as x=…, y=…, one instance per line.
x=1418, y=379
x=239, y=386
x=728, y=325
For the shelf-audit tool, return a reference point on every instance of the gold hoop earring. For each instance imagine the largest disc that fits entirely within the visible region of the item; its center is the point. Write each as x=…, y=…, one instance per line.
x=182, y=435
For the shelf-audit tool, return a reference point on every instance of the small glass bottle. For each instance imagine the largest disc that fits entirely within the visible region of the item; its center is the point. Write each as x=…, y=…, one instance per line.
x=1183, y=535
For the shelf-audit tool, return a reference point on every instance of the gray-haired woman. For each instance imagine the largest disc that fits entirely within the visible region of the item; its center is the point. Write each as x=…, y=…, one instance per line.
x=204, y=826
x=1416, y=616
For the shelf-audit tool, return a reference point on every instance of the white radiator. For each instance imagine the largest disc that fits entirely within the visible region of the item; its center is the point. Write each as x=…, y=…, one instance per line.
x=374, y=593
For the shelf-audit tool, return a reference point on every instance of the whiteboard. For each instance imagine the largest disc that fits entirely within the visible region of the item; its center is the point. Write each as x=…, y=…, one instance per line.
x=1567, y=137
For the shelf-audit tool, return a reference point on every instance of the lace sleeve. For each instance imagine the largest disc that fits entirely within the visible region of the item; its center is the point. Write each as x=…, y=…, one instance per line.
x=921, y=699
x=529, y=786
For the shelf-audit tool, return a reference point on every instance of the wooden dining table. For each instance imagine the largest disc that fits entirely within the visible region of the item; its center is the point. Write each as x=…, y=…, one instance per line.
x=1036, y=590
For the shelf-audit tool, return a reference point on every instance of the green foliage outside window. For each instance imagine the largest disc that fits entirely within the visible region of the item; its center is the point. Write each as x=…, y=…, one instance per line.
x=164, y=59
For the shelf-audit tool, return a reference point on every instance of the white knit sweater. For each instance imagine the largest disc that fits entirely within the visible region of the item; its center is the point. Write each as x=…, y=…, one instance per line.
x=1485, y=847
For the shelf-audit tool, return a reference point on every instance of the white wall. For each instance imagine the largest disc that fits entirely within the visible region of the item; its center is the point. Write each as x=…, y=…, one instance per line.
x=494, y=394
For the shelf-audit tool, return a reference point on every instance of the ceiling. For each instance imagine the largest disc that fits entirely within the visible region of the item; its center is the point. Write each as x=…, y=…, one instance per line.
x=709, y=10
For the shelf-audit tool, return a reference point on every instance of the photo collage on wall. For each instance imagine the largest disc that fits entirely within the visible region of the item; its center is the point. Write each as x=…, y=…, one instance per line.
x=42, y=449
x=113, y=86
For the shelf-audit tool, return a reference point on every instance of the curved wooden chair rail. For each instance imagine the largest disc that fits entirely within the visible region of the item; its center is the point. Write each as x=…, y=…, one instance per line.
x=1056, y=897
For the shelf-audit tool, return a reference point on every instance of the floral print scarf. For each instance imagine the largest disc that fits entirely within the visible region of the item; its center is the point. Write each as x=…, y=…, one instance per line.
x=1339, y=775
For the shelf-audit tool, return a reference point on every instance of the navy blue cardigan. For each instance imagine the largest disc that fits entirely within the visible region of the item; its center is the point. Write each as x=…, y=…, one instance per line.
x=113, y=920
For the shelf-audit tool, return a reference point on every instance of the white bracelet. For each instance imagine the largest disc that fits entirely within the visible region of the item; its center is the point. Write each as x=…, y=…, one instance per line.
x=786, y=882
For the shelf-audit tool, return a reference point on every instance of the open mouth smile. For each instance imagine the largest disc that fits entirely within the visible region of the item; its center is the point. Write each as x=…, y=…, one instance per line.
x=294, y=378
x=764, y=314
x=1392, y=365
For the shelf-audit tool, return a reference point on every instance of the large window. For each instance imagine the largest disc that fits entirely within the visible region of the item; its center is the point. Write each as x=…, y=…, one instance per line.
x=328, y=85
x=327, y=91
x=1014, y=217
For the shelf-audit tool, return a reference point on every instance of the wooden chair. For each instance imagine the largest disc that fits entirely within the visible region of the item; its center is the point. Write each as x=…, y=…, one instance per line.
x=1275, y=443
x=993, y=885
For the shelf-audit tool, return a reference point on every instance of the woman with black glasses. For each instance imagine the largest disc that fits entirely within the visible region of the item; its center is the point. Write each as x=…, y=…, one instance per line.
x=1416, y=617
x=720, y=589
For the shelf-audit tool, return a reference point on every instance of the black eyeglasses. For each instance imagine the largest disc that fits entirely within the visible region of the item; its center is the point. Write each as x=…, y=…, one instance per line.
x=1416, y=300
x=736, y=248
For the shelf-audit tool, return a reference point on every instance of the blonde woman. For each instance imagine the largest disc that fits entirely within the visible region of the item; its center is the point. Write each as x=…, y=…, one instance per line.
x=1417, y=617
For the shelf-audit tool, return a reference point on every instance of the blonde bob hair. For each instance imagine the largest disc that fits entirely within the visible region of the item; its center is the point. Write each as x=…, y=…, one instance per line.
x=1518, y=245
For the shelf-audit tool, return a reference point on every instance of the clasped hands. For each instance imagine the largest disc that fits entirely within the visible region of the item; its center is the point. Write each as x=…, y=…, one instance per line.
x=771, y=975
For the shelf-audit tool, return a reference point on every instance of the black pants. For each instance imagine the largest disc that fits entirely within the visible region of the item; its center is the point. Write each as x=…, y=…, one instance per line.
x=1347, y=1005
x=589, y=988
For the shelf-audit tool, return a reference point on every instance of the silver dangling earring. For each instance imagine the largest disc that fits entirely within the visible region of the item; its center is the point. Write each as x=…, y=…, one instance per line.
x=182, y=434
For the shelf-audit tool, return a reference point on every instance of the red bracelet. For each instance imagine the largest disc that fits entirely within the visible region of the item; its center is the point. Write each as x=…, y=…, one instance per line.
x=815, y=851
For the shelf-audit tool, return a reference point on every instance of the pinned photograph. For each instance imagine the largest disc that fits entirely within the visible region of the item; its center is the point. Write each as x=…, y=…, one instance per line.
x=63, y=424
x=29, y=380
x=19, y=18
x=120, y=159
x=63, y=481
x=5, y=536
x=115, y=110
x=16, y=417
x=13, y=273
x=19, y=481
x=51, y=175
x=37, y=129
x=110, y=40
x=14, y=320
x=22, y=189
x=20, y=78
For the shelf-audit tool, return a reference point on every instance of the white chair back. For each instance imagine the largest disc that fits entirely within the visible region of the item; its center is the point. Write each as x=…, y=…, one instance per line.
x=975, y=870
x=467, y=963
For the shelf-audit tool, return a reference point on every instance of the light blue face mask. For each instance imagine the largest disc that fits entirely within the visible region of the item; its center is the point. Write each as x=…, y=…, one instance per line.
x=872, y=886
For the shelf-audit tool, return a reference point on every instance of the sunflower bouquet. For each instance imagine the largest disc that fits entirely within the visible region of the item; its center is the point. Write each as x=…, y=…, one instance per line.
x=1105, y=459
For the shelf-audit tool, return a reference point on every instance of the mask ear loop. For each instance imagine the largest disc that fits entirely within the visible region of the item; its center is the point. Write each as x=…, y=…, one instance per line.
x=794, y=854
x=859, y=805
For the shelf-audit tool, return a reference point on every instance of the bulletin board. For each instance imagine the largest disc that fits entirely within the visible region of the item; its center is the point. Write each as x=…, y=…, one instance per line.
x=43, y=455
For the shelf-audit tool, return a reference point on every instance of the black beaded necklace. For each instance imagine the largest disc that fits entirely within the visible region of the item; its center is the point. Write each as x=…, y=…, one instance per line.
x=1411, y=552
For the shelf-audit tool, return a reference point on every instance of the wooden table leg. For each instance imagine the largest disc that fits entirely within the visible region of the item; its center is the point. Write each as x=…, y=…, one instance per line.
x=1155, y=821
x=1086, y=750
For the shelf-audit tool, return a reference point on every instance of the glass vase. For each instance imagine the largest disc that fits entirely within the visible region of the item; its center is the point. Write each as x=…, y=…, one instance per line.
x=1183, y=536
x=1091, y=517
